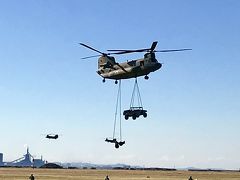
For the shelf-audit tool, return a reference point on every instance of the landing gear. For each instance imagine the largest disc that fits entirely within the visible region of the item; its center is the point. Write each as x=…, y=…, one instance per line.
x=116, y=81
x=104, y=80
x=146, y=77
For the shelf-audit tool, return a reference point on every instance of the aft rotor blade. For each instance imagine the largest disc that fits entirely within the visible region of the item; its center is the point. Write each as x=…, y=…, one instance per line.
x=172, y=50
x=91, y=48
x=129, y=51
x=154, y=44
x=90, y=57
x=124, y=51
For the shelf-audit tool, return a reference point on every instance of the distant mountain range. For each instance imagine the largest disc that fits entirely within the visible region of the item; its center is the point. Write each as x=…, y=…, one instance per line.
x=108, y=166
x=97, y=166
x=126, y=166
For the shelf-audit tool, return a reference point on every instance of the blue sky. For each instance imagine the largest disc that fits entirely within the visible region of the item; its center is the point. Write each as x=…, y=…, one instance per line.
x=192, y=101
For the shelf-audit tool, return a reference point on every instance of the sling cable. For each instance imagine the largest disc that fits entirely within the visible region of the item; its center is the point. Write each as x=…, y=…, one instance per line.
x=117, y=141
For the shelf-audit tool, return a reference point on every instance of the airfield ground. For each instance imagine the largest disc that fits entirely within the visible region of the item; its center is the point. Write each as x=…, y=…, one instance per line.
x=75, y=174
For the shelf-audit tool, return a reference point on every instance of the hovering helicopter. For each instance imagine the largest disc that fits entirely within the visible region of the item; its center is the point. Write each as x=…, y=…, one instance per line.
x=52, y=136
x=108, y=68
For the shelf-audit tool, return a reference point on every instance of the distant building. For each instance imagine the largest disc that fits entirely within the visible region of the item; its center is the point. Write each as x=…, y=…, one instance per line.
x=26, y=161
x=1, y=159
x=38, y=162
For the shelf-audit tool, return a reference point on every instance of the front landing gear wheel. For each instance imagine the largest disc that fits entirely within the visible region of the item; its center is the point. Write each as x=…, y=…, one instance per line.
x=104, y=80
x=116, y=81
x=116, y=145
x=145, y=115
x=146, y=77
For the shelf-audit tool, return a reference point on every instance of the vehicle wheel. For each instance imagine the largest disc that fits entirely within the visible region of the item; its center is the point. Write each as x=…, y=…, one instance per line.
x=116, y=145
x=126, y=117
x=145, y=115
x=104, y=80
x=146, y=77
x=116, y=81
x=134, y=117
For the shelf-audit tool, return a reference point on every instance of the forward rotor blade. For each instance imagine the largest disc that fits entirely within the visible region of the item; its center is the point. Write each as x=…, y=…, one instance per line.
x=90, y=57
x=121, y=67
x=91, y=48
x=172, y=50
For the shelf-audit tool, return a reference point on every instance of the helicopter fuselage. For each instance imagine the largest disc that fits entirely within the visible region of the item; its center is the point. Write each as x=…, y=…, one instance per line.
x=49, y=136
x=109, y=69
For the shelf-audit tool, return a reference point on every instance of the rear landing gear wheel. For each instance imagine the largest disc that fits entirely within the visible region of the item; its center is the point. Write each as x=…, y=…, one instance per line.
x=104, y=80
x=146, y=77
x=116, y=81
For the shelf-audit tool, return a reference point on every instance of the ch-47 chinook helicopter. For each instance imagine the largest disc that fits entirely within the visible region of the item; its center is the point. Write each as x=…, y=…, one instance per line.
x=52, y=136
x=108, y=68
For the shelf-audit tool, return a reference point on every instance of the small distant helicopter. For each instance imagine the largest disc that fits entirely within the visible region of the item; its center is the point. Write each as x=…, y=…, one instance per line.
x=52, y=136
x=108, y=68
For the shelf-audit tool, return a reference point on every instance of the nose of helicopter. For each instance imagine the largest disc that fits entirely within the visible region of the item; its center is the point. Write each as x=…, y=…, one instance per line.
x=158, y=66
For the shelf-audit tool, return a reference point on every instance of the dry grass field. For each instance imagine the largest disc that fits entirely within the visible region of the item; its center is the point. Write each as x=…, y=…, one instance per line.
x=74, y=174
